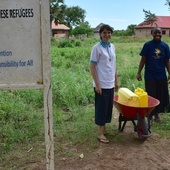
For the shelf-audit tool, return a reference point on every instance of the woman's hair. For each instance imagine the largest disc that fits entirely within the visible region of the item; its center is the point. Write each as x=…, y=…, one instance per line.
x=105, y=26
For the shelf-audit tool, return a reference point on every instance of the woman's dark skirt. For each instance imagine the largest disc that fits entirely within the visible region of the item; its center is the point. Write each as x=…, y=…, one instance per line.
x=103, y=106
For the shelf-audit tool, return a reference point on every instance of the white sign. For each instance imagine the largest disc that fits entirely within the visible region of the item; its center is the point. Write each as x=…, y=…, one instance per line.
x=20, y=45
x=25, y=55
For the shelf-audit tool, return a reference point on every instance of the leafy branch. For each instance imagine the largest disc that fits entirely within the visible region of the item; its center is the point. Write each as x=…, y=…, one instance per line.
x=150, y=18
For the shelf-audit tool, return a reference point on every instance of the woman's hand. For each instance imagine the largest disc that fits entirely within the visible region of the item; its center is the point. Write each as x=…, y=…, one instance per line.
x=98, y=89
x=116, y=86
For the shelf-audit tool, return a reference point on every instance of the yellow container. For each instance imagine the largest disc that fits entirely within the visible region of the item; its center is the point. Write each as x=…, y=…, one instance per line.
x=143, y=97
x=127, y=97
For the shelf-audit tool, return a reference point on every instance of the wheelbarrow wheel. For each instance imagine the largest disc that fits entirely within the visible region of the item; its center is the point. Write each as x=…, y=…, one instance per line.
x=142, y=129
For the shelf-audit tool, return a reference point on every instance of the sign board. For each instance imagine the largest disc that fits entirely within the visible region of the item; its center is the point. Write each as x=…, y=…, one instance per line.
x=20, y=45
x=25, y=55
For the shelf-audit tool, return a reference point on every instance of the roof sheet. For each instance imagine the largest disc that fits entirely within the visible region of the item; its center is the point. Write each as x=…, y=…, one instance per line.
x=59, y=26
x=162, y=21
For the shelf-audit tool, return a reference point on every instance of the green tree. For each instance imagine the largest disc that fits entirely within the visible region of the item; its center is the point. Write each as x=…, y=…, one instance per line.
x=119, y=33
x=74, y=16
x=83, y=28
x=57, y=8
x=150, y=18
x=130, y=29
x=168, y=4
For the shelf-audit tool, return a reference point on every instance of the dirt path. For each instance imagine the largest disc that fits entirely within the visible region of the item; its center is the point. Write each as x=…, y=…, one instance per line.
x=153, y=154
x=128, y=154
x=131, y=154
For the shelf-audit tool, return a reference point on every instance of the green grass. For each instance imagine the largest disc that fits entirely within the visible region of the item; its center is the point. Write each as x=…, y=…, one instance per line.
x=21, y=112
x=164, y=128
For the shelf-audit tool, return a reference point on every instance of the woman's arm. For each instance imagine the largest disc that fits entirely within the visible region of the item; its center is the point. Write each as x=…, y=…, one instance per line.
x=95, y=77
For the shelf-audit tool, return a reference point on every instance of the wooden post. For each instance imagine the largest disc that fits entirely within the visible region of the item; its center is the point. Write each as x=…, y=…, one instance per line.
x=48, y=116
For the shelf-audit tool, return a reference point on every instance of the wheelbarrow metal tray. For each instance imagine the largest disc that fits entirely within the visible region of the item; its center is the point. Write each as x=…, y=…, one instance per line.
x=131, y=111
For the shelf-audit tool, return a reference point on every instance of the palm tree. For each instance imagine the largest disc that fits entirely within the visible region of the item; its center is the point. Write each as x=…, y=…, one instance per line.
x=150, y=18
x=57, y=8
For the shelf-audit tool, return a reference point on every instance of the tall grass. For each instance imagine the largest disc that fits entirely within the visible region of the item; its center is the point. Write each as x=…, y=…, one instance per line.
x=21, y=112
x=72, y=86
x=19, y=121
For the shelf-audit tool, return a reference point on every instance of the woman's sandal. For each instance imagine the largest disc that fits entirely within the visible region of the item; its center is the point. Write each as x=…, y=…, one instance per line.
x=103, y=140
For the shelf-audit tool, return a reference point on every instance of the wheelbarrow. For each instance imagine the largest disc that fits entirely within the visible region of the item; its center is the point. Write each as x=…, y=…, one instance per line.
x=136, y=113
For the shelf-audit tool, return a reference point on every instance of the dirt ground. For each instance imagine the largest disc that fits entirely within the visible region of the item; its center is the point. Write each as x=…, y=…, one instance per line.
x=131, y=154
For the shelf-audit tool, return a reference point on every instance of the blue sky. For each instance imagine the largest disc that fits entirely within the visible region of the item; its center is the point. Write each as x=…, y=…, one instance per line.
x=119, y=13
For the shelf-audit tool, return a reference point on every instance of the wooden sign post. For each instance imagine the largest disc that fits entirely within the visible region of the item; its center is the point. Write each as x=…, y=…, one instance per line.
x=25, y=61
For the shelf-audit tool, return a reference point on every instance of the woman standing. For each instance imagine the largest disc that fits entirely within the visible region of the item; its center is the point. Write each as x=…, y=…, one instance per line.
x=105, y=81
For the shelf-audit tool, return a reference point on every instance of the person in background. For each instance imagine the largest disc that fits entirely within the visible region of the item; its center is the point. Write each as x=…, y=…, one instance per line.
x=155, y=55
x=105, y=81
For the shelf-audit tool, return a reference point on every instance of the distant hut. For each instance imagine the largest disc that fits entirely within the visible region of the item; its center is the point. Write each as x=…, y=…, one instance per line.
x=60, y=30
x=96, y=31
